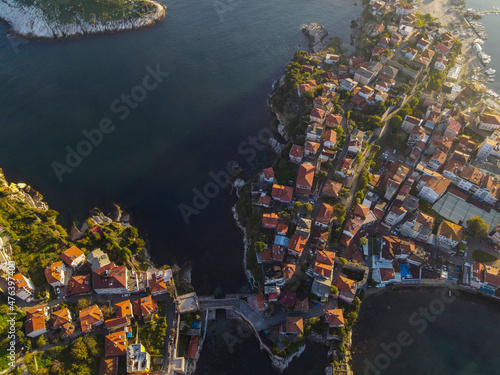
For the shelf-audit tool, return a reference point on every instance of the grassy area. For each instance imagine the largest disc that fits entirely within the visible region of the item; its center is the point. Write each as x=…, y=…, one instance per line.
x=68, y=11
x=483, y=257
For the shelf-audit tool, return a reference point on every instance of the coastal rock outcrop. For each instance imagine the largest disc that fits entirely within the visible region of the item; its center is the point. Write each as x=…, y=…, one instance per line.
x=316, y=34
x=32, y=22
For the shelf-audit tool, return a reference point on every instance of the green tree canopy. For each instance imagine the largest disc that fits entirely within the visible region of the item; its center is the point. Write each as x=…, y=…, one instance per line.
x=477, y=227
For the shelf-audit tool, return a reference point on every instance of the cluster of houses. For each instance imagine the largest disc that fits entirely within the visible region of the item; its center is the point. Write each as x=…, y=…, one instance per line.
x=441, y=169
x=59, y=321
x=71, y=276
x=77, y=275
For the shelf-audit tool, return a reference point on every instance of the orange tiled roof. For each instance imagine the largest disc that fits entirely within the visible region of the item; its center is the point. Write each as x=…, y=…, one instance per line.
x=294, y=324
x=90, y=316
x=71, y=254
x=115, y=344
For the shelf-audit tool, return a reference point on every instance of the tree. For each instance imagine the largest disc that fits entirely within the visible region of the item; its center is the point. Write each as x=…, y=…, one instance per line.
x=83, y=303
x=40, y=341
x=334, y=290
x=477, y=227
x=308, y=207
x=343, y=261
x=323, y=175
x=107, y=312
x=363, y=241
x=259, y=246
x=57, y=367
x=396, y=121
x=79, y=350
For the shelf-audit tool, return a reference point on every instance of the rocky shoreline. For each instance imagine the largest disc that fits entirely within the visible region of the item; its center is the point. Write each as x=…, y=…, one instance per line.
x=31, y=22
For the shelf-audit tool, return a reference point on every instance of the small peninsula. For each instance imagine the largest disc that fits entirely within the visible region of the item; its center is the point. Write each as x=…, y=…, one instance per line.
x=69, y=18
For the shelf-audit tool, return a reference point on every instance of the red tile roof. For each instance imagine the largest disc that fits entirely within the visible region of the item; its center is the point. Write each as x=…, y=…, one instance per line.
x=144, y=306
x=79, y=285
x=115, y=344
x=110, y=276
x=283, y=193
x=334, y=317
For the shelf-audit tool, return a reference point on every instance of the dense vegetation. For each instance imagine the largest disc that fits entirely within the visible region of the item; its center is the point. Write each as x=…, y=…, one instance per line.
x=38, y=239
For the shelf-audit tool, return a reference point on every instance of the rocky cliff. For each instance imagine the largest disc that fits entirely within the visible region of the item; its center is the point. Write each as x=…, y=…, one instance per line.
x=31, y=22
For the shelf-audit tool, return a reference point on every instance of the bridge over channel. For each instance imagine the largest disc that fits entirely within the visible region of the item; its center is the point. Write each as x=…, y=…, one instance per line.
x=236, y=307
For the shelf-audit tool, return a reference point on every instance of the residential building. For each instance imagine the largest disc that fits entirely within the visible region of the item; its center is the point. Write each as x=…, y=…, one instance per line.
x=362, y=76
x=23, y=287
x=283, y=194
x=73, y=257
x=347, y=289
x=317, y=115
x=325, y=216
x=268, y=175
x=433, y=188
x=79, y=285
x=452, y=130
x=311, y=149
x=305, y=179
x=110, y=279
x=161, y=281
x=297, y=245
x=90, y=318
x=420, y=228
x=138, y=359
x=348, y=84
x=97, y=259
x=294, y=325
x=409, y=123
x=331, y=58
x=330, y=138
x=124, y=309
x=486, y=148
x=448, y=235
x=314, y=132
x=34, y=325
x=270, y=220
x=145, y=308
x=115, y=344
x=332, y=188
x=441, y=63
x=321, y=288
x=488, y=121
x=437, y=160
x=333, y=121
x=60, y=317
x=395, y=215
x=303, y=227
x=334, y=318
x=296, y=154
x=57, y=274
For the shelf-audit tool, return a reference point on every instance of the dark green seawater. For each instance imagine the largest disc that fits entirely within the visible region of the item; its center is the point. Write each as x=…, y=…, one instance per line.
x=222, y=61
x=440, y=335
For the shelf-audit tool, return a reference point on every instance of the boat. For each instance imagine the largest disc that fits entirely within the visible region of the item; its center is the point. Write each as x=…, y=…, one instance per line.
x=490, y=71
